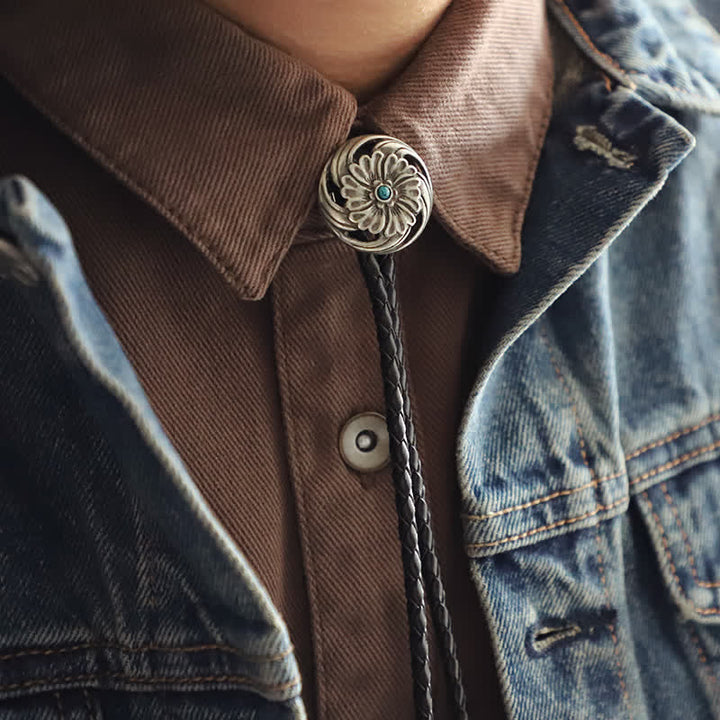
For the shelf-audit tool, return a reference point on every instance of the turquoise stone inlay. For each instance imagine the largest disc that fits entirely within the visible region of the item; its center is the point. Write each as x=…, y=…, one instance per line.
x=383, y=192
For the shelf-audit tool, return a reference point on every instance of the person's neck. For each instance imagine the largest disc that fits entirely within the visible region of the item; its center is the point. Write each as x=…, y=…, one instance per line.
x=359, y=44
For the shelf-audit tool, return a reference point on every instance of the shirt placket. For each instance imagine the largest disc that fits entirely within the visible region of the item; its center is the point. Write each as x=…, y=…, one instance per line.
x=328, y=373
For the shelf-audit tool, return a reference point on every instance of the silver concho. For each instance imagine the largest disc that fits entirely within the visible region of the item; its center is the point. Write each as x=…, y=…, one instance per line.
x=375, y=194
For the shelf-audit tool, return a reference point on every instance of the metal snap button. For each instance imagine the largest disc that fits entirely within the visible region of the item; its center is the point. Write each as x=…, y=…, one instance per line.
x=364, y=442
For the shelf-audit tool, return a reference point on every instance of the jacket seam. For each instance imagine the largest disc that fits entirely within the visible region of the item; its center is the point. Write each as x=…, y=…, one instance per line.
x=240, y=679
x=702, y=611
x=551, y=526
x=144, y=648
x=546, y=498
x=703, y=656
x=671, y=561
x=576, y=23
x=677, y=461
x=673, y=436
x=598, y=481
x=627, y=72
x=691, y=556
x=598, y=508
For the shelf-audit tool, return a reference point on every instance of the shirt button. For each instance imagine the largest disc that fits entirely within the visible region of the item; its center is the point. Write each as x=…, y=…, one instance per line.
x=364, y=442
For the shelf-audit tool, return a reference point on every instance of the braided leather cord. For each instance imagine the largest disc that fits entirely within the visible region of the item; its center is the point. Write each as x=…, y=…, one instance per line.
x=431, y=566
x=388, y=341
x=380, y=277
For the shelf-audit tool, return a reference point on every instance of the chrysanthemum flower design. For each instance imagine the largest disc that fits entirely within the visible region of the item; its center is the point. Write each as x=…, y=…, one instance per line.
x=382, y=193
x=375, y=194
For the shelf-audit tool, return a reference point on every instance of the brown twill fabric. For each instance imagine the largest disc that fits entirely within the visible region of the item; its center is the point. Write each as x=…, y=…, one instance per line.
x=184, y=156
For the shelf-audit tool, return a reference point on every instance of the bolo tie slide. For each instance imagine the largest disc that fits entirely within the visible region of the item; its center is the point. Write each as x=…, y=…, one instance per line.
x=375, y=195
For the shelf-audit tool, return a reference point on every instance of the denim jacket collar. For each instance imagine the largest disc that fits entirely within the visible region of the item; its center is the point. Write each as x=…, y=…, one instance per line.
x=608, y=151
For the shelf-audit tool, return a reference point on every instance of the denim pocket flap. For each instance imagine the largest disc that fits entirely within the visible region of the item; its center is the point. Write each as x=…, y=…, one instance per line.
x=682, y=514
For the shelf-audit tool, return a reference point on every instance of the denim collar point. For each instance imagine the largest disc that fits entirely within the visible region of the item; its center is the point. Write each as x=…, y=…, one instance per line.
x=663, y=48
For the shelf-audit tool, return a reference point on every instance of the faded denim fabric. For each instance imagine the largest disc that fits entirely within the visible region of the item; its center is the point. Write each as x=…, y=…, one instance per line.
x=589, y=453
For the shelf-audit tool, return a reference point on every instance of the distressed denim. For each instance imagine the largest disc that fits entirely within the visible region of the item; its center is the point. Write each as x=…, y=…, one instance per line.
x=588, y=455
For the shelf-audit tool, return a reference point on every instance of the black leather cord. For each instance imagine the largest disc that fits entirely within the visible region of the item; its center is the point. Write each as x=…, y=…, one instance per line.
x=432, y=577
x=402, y=477
x=415, y=535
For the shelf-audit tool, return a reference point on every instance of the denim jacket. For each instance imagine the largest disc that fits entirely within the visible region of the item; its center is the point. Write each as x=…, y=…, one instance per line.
x=588, y=456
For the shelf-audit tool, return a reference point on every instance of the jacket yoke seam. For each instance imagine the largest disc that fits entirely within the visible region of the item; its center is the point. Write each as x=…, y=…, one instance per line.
x=598, y=481
x=144, y=648
x=99, y=677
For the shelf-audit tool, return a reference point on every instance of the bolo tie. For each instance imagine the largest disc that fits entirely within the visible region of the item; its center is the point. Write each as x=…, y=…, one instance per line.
x=375, y=194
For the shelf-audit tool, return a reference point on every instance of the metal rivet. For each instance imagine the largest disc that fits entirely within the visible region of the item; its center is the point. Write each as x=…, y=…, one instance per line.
x=364, y=442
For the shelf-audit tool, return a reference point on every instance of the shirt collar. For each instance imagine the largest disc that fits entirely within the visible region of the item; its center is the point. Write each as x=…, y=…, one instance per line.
x=226, y=136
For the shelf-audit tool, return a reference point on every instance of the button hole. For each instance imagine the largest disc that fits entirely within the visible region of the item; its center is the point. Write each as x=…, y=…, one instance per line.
x=554, y=632
x=546, y=637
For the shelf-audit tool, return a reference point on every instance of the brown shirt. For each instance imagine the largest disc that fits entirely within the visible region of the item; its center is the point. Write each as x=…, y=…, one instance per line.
x=184, y=156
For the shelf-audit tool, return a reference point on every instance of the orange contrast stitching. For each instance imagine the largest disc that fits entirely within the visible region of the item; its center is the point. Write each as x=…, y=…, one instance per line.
x=546, y=498
x=146, y=648
x=671, y=561
x=614, y=62
x=701, y=652
x=702, y=655
x=691, y=557
x=551, y=526
x=151, y=681
x=586, y=37
x=675, y=462
x=595, y=482
x=640, y=478
x=611, y=626
x=674, y=436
